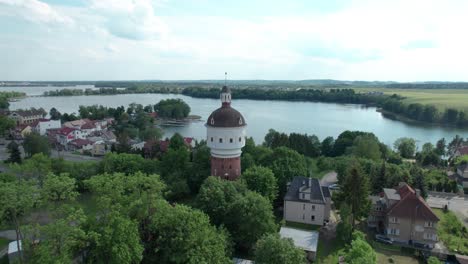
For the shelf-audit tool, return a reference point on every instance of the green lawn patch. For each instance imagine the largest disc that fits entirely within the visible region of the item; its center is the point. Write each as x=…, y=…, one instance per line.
x=3, y=242
x=390, y=256
x=452, y=232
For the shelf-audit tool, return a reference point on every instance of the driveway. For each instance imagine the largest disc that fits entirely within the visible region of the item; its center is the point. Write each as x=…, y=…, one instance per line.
x=455, y=203
x=329, y=179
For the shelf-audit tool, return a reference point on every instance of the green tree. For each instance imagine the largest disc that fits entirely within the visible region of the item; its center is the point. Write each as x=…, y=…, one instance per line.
x=344, y=229
x=360, y=251
x=271, y=249
x=58, y=188
x=184, y=235
x=172, y=108
x=327, y=146
x=355, y=191
x=54, y=114
x=114, y=238
x=380, y=180
x=246, y=231
x=406, y=147
x=261, y=180
x=175, y=169
x=441, y=147
x=216, y=197
x=36, y=167
x=16, y=200
x=286, y=164
x=366, y=146
x=34, y=143
x=6, y=124
x=15, y=154
x=151, y=133
x=418, y=180
x=201, y=166
x=433, y=260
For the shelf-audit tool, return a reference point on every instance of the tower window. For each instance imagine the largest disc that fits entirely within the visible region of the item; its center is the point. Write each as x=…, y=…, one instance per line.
x=230, y=140
x=211, y=139
x=230, y=167
x=240, y=139
x=220, y=140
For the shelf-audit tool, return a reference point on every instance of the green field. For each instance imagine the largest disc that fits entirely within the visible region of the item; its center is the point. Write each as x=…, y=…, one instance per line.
x=441, y=98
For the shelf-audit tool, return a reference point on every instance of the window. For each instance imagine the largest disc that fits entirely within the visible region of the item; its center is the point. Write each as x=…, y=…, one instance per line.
x=303, y=196
x=240, y=139
x=394, y=231
x=303, y=216
x=313, y=207
x=312, y=217
x=230, y=140
x=230, y=167
x=220, y=140
x=394, y=220
x=303, y=206
x=429, y=224
x=211, y=139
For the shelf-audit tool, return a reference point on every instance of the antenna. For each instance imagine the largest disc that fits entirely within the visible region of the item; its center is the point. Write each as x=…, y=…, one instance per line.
x=225, y=78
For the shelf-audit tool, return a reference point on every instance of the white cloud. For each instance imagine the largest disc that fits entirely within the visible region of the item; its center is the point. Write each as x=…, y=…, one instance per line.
x=129, y=18
x=33, y=10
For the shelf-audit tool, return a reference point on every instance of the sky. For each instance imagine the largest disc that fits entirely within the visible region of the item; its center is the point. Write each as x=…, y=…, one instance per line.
x=384, y=40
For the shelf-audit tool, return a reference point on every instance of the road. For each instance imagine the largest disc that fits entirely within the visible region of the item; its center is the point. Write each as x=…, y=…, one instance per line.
x=329, y=179
x=457, y=204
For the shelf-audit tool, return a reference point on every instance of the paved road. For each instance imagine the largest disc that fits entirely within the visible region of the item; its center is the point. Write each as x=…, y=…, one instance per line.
x=329, y=179
x=457, y=204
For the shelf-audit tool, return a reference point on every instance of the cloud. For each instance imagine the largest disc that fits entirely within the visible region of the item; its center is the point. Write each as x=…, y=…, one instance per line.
x=34, y=10
x=130, y=19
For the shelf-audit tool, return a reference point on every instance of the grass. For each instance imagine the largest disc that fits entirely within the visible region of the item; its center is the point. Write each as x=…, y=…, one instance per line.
x=3, y=242
x=314, y=170
x=452, y=232
x=440, y=98
x=389, y=256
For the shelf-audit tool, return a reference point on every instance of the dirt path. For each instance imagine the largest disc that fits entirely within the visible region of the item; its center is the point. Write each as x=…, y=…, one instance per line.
x=329, y=178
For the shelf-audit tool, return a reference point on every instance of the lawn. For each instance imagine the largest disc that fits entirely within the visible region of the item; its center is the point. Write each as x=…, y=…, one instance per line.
x=441, y=98
x=314, y=170
x=389, y=256
x=452, y=232
x=3, y=243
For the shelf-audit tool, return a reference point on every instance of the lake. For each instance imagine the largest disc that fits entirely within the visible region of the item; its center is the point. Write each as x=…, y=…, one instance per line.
x=321, y=119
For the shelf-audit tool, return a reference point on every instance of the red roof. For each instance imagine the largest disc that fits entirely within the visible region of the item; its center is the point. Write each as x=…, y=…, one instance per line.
x=66, y=130
x=80, y=142
x=411, y=205
x=88, y=125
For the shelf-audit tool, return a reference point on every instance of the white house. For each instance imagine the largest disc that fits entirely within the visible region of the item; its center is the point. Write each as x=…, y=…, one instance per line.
x=307, y=202
x=42, y=125
x=67, y=134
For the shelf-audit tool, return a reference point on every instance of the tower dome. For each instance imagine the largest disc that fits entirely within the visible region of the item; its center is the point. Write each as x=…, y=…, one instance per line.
x=226, y=131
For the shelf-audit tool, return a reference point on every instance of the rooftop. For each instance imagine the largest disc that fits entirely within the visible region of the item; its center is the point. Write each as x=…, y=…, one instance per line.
x=392, y=194
x=303, y=239
x=307, y=185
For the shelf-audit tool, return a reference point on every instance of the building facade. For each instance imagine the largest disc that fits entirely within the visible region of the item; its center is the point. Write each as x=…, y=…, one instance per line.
x=27, y=117
x=225, y=136
x=404, y=216
x=306, y=201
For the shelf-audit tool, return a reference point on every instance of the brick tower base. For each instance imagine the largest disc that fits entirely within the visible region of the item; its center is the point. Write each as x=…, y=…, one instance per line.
x=226, y=168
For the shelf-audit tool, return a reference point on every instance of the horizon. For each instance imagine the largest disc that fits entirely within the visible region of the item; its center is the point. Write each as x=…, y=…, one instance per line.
x=91, y=40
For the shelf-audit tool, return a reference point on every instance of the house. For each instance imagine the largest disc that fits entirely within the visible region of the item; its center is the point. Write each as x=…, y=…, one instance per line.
x=99, y=149
x=76, y=123
x=462, y=175
x=81, y=145
x=404, y=216
x=463, y=150
x=67, y=134
x=26, y=116
x=303, y=239
x=21, y=131
x=42, y=125
x=306, y=201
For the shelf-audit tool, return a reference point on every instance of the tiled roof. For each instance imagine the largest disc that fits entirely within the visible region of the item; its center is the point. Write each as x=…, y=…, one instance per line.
x=31, y=112
x=80, y=142
x=88, y=125
x=66, y=130
x=316, y=193
x=411, y=205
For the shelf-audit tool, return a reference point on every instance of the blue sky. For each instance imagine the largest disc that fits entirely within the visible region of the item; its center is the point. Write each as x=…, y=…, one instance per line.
x=201, y=39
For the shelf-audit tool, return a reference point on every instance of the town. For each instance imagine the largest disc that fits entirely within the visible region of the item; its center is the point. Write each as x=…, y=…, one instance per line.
x=292, y=199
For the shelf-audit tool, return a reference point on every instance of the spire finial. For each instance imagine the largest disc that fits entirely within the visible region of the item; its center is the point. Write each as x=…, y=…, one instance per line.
x=225, y=78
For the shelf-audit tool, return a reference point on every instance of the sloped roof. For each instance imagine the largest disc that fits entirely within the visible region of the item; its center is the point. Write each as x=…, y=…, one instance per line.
x=66, y=130
x=303, y=239
x=312, y=185
x=80, y=142
x=411, y=205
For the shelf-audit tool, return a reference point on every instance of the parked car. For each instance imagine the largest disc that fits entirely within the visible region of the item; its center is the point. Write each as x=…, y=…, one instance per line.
x=420, y=245
x=384, y=239
x=334, y=187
